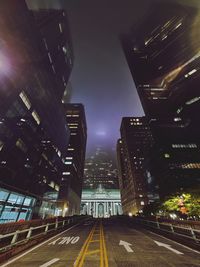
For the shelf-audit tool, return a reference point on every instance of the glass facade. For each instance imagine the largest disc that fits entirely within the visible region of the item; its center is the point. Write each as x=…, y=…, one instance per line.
x=15, y=207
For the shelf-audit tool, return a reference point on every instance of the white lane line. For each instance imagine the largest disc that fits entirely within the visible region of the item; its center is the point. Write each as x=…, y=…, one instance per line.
x=49, y=262
x=196, y=251
x=30, y=250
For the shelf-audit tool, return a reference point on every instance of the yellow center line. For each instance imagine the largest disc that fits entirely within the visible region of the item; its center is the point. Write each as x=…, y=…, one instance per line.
x=93, y=252
x=98, y=227
x=81, y=256
x=101, y=246
x=96, y=240
x=104, y=249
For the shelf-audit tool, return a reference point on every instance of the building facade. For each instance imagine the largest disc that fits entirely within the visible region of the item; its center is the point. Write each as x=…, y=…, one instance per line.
x=72, y=176
x=175, y=157
x=100, y=169
x=54, y=30
x=163, y=57
x=132, y=149
x=33, y=129
x=101, y=202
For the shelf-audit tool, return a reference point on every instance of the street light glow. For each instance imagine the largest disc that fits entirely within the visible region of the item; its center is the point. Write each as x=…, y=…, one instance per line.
x=4, y=65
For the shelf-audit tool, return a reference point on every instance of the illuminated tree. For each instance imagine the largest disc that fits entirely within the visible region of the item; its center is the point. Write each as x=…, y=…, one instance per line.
x=186, y=203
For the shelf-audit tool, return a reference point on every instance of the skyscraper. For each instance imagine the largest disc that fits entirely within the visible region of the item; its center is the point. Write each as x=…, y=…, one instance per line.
x=58, y=55
x=100, y=169
x=132, y=150
x=174, y=159
x=33, y=130
x=163, y=57
x=72, y=176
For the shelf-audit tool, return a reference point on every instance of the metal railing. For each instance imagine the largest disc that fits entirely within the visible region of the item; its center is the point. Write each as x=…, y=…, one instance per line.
x=19, y=237
x=188, y=232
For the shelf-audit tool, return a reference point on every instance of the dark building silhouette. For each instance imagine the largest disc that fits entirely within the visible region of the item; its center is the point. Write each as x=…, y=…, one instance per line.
x=164, y=59
x=163, y=56
x=72, y=176
x=175, y=157
x=33, y=129
x=58, y=57
x=67, y=94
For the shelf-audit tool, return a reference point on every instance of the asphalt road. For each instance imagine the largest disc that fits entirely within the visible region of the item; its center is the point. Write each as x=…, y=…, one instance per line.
x=103, y=243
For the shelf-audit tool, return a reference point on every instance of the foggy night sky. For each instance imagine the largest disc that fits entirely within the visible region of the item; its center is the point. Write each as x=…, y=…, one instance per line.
x=100, y=78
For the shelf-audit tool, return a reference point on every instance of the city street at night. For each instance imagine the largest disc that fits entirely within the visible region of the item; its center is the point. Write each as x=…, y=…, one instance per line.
x=104, y=243
x=99, y=133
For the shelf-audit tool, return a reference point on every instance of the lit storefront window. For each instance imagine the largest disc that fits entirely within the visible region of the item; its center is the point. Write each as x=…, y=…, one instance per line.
x=15, y=207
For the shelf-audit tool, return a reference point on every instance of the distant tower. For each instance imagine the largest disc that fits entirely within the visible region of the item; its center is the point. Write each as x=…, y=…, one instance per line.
x=72, y=179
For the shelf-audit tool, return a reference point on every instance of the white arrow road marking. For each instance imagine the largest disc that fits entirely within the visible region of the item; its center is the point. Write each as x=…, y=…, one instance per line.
x=49, y=262
x=126, y=245
x=160, y=244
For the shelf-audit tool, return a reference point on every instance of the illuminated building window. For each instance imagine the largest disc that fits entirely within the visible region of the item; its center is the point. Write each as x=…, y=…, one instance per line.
x=193, y=100
x=25, y=99
x=177, y=26
x=53, y=69
x=190, y=73
x=45, y=43
x=50, y=59
x=60, y=27
x=21, y=145
x=177, y=119
x=184, y=145
x=191, y=166
x=179, y=110
x=52, y=184
x=68, y=158
x=68, y=162
x=1, y=145
x=66, y=173
x=57, y=187
x=70, y=149
x=44, y=156
x=36, y=117
x=64, y=49
x=166, y=155
x=73, y=134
